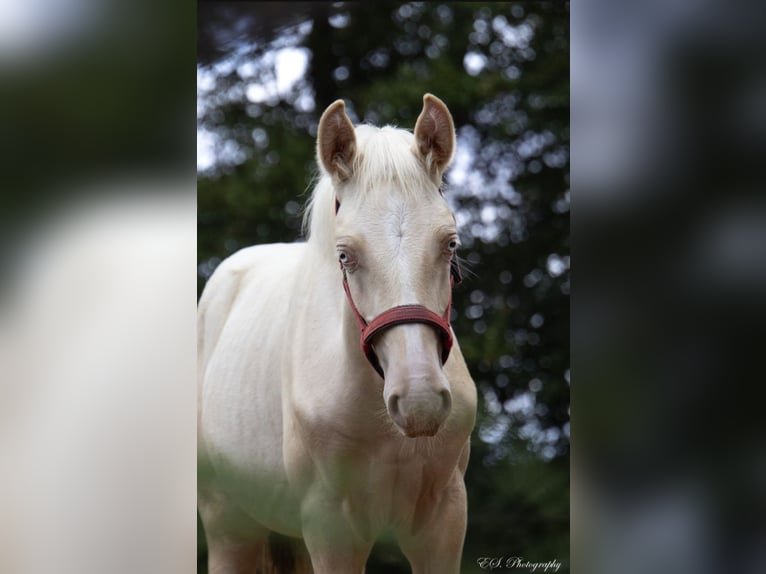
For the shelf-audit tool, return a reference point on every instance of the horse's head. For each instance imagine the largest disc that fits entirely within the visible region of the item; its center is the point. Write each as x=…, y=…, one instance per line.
x=395, y=237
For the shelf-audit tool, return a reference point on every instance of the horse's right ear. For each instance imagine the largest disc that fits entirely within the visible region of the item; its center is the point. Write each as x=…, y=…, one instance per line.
x=336, y=142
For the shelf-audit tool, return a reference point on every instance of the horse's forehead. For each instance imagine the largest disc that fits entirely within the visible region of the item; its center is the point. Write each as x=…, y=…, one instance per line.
x=401, y=214
x=409, y=202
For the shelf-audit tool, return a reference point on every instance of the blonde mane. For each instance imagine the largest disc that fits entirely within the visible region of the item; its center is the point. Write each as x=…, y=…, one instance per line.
x=383, y=156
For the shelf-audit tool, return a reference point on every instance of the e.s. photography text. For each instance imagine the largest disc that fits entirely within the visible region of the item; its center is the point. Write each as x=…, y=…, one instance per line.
x=501, y=562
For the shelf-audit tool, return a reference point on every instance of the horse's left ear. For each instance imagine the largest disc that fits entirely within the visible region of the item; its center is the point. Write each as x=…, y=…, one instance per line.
x=435, y=135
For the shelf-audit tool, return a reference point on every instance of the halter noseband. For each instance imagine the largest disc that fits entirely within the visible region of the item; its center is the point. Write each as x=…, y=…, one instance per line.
x=403, y=314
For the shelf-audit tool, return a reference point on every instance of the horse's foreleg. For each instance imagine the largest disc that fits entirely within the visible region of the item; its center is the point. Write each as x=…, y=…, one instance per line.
x=230, y=557
x=436, y=545
x=236, y=544
x=333, y=545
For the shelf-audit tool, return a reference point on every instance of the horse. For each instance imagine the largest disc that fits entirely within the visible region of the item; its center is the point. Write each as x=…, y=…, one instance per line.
x=335, y=405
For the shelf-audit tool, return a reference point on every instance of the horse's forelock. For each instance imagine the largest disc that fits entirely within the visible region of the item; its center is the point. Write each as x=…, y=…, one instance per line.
x=384, y=156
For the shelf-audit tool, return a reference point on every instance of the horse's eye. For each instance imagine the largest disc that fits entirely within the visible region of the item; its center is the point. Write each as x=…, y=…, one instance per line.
x=452, y=245
x=346, y=257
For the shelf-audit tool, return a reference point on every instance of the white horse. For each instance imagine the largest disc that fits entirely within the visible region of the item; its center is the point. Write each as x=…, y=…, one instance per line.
x=306, y=433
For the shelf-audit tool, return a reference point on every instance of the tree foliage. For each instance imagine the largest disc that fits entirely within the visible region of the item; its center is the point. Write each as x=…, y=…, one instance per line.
x=503, y=70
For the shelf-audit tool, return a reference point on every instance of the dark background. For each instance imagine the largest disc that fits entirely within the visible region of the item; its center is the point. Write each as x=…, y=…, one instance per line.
x=503, y=71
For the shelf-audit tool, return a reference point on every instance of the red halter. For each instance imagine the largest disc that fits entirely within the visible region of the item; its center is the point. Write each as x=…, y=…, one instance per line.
x=403, y=314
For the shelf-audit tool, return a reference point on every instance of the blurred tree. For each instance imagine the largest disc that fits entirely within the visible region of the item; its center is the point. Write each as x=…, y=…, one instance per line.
x=266, y=72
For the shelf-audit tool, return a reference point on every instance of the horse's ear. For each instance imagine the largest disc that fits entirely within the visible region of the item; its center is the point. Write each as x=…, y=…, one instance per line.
x=336, y=142
x=435, y=135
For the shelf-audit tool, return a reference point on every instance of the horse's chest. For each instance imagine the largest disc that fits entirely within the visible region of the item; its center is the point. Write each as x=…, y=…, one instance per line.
x=396, y=488
x=379, y=478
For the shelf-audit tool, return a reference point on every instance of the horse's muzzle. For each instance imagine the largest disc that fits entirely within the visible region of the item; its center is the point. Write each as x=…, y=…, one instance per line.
x=418, y=409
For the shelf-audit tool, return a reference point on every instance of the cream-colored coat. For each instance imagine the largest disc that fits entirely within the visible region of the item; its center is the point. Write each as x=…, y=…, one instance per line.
x=295, y=432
